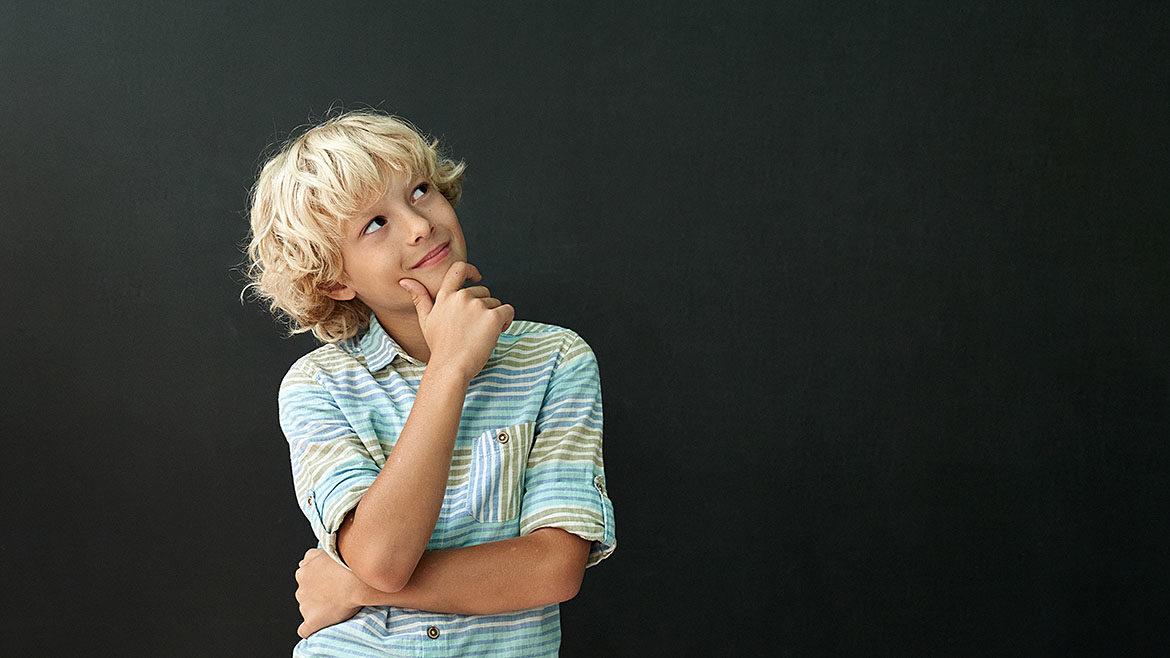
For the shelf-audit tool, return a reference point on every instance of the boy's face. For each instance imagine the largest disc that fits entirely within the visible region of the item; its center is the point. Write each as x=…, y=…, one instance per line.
x=384, y=243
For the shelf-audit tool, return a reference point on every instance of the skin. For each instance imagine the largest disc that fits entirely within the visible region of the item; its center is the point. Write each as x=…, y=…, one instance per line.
x=383, y=243
x=454, y=331
x=533, y=571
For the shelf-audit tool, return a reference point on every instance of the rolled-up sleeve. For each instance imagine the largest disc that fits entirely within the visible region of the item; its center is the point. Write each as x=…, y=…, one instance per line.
x=331, y=467
x=564, y=480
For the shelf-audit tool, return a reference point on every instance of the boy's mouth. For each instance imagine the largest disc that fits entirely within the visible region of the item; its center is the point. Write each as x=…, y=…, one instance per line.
x=433, y=255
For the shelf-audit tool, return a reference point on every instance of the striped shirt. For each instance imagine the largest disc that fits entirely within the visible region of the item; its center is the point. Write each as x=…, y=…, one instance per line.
x=527, y=455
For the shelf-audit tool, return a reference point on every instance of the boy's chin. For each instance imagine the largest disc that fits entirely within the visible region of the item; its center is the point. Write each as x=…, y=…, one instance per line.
x=431, y=283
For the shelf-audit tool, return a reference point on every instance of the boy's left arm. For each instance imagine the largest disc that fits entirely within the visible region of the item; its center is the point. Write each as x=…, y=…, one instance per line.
x=532, y=571
x=566, y=525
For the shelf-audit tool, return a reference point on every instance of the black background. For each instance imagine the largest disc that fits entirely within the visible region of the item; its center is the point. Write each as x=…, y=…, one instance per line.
x=878, y=291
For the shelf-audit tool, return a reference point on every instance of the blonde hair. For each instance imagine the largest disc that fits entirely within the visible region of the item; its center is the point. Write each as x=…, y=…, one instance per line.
x=302, y=198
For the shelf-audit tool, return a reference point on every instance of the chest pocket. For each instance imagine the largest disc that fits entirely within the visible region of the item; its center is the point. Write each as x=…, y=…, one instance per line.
x=498, y=458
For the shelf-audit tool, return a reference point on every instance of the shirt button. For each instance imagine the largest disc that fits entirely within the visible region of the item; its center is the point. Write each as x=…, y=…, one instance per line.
x=432, y=632
x=502, y=437
x=309, y=500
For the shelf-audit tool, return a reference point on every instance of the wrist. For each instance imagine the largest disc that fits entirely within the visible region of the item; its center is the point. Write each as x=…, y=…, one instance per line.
x=446, y=373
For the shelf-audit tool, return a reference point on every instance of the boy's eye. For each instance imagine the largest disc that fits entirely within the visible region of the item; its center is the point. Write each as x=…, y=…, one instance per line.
x=375, y=224
x=416, y=194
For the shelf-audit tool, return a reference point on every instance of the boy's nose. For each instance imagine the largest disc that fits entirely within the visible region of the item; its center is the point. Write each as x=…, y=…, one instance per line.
x=420, y=227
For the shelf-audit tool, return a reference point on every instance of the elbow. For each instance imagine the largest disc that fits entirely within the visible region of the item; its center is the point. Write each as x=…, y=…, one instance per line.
x=386, y=580
x=379, y=566
x=568, y=565
x=382, y=575
x=569, y=584
x=387, y=571
x=380, y=569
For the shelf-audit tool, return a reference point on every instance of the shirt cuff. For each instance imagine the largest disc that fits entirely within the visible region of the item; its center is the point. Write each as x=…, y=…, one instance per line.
x=578, y=505
x=327, y=512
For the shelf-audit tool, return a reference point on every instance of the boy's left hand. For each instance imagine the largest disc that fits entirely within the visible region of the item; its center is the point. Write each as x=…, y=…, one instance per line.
x=325, y=590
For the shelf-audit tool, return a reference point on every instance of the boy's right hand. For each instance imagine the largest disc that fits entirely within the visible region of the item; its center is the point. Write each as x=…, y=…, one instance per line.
x=461, y=325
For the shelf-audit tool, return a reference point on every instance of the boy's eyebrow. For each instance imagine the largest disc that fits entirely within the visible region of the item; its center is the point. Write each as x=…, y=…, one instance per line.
x=357, y=223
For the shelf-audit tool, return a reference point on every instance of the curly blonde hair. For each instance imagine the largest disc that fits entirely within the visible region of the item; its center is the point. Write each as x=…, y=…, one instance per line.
x=306, y=192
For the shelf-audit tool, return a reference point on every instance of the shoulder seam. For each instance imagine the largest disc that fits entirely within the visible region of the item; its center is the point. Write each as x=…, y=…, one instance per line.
x=309, y=364
x=524, y=327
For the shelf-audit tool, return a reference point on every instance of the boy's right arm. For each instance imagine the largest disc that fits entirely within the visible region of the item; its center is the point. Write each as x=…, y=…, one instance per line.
x=383, y=537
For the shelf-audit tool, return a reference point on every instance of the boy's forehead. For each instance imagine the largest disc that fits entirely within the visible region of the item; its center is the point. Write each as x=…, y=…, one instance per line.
x=399, y=169
x=396, y=172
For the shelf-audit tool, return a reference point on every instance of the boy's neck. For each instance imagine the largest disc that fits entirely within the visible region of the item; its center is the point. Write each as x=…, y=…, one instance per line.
x=406, y=331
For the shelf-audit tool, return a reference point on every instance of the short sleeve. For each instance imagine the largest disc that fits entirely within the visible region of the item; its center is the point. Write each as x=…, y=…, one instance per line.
x=564, y=480
x=331, y=467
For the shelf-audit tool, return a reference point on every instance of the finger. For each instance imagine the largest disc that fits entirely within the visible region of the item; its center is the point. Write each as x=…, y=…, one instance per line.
x=476, y=291
x=420, y=296
x=506, y=312
x=309, y=553
x=303, y=631
x=459, y=272
x=473, y=275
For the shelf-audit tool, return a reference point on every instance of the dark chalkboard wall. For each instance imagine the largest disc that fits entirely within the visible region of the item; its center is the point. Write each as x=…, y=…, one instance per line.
x=878, y=291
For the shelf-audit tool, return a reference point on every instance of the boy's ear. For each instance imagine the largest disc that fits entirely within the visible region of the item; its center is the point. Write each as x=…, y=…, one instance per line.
x=338, y=291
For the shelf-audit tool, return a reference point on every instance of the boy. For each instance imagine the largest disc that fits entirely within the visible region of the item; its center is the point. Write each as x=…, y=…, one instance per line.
x=447, y=457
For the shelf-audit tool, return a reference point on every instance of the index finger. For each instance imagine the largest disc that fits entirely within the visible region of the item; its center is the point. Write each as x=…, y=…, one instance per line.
x=459, y=272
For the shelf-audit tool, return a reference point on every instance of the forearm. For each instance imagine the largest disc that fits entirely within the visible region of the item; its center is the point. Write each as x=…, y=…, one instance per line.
x=385, y=535
x=533, y=571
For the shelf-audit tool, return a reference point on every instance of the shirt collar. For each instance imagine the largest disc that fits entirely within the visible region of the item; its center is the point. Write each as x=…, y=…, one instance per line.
x=378, y=347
